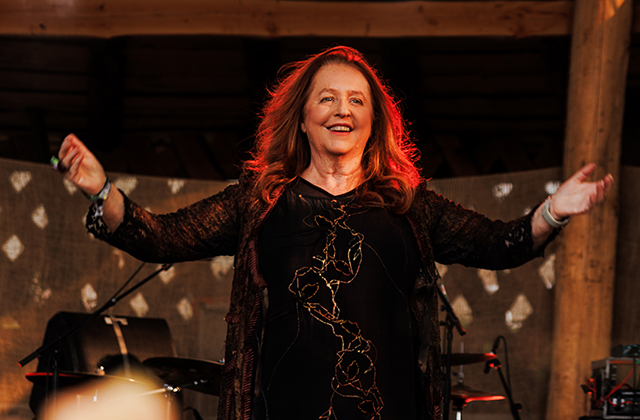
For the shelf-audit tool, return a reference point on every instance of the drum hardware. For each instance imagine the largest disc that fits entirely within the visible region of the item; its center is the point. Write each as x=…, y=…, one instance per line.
x=95, y=390
x=68, y=379
x=495, y=364
x=451, y=321
x=198, y=375
x=52, y=348
x=195, y=374
x=167, y=391
x=462, y=395
x=470, y=358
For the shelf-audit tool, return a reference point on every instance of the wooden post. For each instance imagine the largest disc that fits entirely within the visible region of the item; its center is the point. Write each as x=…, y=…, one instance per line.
x=587, y=256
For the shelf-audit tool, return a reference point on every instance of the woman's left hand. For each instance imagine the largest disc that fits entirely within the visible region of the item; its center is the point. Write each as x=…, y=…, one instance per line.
x=577, y=195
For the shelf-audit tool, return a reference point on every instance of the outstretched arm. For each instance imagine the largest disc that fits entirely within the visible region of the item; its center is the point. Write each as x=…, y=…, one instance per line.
x=575, y=196
x=82, y=168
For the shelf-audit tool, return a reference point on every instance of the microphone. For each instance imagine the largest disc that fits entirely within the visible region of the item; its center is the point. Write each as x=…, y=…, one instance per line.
x=490, y=364
x=496, y=344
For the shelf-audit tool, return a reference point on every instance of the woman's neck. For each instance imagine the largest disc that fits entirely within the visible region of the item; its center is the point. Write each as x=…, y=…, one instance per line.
x=335, y=179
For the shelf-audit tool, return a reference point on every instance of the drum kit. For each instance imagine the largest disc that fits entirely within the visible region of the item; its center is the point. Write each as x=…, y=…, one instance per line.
x=165, y=376
x=204, y=376
x=461, y=395
x=121, y=379
x=457, y=397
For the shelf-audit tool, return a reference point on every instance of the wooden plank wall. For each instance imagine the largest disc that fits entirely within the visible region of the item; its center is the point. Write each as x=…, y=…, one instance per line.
x=187, y=106
x=152, y=105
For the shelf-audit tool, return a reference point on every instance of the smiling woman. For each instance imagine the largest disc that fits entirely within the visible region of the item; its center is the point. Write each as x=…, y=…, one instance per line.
x=335, y=237
x=283, y=150
x=337, y=122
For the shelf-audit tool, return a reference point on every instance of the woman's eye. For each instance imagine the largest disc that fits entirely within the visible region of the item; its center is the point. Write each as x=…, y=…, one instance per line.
x=326, y=99
x=357, y=101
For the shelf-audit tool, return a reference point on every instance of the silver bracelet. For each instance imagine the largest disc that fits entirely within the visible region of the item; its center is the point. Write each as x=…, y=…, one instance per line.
x=546, y=215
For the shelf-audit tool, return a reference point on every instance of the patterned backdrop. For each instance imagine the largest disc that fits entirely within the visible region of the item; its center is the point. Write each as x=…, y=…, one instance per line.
x=49, y=263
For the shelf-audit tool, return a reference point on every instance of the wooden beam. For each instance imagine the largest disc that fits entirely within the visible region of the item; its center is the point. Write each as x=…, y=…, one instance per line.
x=587, y=257
x=272, y=18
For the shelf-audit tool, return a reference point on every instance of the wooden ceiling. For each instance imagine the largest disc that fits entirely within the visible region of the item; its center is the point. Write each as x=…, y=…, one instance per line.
x=187, y=105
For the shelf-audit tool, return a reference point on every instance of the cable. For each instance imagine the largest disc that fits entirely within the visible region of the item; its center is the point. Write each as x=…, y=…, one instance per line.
x=135, y=273
x=635, y=389
x=616, y=388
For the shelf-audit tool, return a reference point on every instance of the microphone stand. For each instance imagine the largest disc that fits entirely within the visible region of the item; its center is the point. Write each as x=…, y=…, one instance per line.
x=52, y=346
x=514, y=407
x=450, y=322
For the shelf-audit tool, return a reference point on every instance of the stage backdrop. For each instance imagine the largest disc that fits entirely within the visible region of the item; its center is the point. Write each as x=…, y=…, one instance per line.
x=49, y=263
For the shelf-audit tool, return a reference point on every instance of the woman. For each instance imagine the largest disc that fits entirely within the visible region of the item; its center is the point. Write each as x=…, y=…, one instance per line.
x=332, y=310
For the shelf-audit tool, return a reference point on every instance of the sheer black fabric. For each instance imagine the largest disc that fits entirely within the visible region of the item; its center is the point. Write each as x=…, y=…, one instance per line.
x=339, y=340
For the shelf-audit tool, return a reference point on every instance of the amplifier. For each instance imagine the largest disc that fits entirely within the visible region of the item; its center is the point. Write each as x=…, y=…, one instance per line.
x=615, y=394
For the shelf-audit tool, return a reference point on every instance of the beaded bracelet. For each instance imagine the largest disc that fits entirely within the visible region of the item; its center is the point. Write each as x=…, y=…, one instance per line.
x=546, y=215
x=98, y=199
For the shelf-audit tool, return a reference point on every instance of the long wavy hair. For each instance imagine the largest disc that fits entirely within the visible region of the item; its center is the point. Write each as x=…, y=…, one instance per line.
x=282, y=150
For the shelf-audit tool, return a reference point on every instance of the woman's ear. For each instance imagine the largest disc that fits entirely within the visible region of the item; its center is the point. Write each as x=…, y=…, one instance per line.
x=303, y=128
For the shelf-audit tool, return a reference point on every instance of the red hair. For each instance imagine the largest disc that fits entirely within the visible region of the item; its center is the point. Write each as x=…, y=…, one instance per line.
x=282, y=150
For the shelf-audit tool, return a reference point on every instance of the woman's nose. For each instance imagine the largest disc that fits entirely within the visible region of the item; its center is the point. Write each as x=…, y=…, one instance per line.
x=342, y=109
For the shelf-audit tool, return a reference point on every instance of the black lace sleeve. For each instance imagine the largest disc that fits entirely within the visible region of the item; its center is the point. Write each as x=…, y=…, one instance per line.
x=459, y=235
x=204, y=229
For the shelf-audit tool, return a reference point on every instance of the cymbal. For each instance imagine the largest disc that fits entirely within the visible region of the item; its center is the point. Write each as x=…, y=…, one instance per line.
x=198, y=375
x=466, y=394
x=468, y=358
x=71, y=378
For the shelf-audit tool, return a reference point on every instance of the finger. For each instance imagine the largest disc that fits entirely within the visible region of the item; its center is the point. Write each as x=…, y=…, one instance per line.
x=584, y=172
x=75, y=175
x=72, y=168
x=69, y=158
x=608, y=182
x=64, y=147
x=602, y=187
x=75, y=158
x=67, y=144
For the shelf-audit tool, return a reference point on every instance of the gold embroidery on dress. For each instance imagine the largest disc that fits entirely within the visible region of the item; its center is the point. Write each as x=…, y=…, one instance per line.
x=355, y=371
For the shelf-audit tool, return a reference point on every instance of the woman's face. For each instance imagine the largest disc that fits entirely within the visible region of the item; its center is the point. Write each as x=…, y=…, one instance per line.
x=338, y=113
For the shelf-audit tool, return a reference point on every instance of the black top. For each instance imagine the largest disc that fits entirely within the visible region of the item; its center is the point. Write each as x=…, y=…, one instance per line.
x=338, y=341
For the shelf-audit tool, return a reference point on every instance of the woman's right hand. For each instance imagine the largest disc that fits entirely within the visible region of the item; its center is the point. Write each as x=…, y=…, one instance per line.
x=80, y=166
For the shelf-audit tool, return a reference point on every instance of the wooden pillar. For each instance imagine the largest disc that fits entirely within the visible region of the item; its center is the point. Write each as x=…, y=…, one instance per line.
x=587, y=256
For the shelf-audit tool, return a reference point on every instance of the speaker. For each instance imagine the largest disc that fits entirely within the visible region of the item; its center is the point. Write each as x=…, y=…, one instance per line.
x=99, y=346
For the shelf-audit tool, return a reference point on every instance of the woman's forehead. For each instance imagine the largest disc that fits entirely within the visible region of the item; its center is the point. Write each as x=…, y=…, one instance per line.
x=340, y=77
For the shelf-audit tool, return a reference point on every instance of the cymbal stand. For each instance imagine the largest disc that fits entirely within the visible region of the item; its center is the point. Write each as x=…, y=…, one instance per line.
x=458, y=405
x=450, y=322
x=515, y=407
x=167, y=391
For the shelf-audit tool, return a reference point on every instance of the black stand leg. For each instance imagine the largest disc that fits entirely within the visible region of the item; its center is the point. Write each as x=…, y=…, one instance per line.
x=446, y=397
x=515, y=408
x=450, y=323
